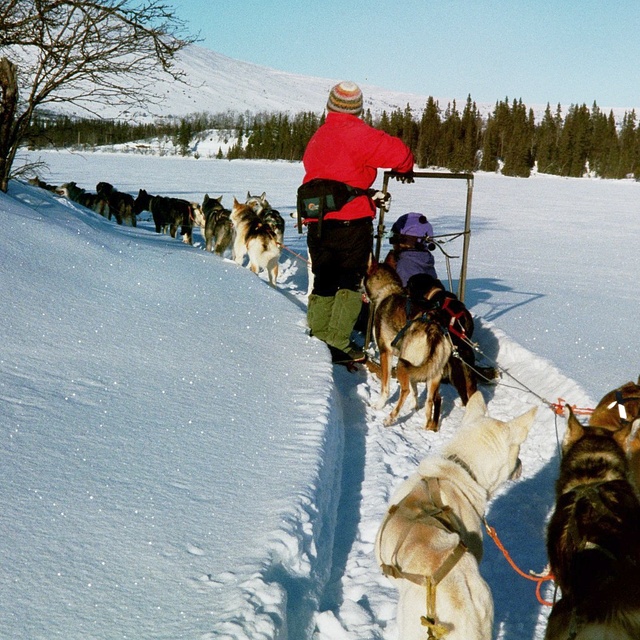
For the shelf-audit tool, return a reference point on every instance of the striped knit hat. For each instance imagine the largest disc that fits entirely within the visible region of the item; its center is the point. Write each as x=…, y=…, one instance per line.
x=345, y=97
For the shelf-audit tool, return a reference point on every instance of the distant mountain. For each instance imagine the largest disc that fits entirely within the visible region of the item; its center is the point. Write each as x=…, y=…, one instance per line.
x=216, y=83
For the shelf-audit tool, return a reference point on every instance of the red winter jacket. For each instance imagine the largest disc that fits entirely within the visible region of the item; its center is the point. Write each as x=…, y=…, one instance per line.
x=347, y=149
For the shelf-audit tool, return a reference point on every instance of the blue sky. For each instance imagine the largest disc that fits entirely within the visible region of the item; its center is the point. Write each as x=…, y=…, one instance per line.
x=556, y=51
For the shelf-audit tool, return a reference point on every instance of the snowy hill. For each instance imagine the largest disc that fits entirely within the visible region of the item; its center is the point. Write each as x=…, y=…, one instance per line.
x=216, y=83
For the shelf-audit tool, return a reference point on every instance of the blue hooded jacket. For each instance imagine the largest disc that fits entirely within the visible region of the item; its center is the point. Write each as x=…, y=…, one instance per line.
x=411, y=247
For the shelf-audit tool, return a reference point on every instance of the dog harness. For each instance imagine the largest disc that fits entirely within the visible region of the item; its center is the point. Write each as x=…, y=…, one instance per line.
x=426, y=316
x=436, y=309
x=455, y=317
x=438, y=515
x=622, y=411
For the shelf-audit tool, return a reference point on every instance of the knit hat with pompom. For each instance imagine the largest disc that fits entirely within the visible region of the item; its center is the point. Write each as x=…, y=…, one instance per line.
x=345, y=97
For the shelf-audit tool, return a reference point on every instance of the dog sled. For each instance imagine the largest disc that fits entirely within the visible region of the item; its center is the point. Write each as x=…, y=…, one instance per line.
x=439, y=240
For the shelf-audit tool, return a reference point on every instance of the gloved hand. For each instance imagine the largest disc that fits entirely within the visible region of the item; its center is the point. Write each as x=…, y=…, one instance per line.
x=405, y=177
x=380, y=199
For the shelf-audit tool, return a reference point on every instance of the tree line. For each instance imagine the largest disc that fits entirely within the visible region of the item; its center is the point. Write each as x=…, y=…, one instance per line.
x=507, y=140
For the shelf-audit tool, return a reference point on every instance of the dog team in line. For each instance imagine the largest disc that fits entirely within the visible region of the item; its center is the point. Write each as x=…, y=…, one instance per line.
x=250, y=229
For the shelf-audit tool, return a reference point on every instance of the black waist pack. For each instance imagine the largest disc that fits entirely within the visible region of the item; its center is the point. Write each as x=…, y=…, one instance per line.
x=320, y=196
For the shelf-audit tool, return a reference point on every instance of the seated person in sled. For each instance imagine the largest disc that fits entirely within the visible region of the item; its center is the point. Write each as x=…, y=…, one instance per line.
x=412, y=241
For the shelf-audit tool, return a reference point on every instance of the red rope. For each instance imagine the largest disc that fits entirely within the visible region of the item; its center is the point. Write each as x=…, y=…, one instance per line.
x=538, y=579
x=558, y=408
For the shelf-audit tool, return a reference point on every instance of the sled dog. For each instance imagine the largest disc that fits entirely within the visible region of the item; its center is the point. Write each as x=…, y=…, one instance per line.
x=218, y=230
x=254, y=238
x=430, y=540
x=170, y=213
x=617, y=408
x=120, y=204
x=413, y=333
x=36, y=182
x=593, y=540
x=258, y=203
x=616, y=411
x=267, y=213
x=94, y=201
x=455, y=316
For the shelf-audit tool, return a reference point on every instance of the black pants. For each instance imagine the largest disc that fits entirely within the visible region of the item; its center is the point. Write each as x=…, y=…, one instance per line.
x=340, y=254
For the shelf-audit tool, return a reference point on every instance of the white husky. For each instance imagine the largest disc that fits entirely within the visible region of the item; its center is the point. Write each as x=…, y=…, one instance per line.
x=430, y=542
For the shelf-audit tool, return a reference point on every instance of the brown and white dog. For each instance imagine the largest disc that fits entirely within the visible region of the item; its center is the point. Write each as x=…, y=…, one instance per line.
x=616, y=411
x=267, y=214
x=256, y=239
x=430, y=541
x=413, y=333
x=455, y=316
x=593, y=538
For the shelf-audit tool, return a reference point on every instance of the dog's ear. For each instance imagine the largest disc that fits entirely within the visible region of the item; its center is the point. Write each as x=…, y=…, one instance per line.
x=248, y=195
x=521, y=425
x=476, y=408
x=574, y=431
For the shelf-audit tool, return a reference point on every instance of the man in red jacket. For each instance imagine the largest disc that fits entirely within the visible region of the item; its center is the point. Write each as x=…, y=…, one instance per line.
x=350, y=151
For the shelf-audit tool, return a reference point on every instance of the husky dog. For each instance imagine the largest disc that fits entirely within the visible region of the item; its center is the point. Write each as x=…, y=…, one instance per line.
x=94, y=201
x=258, y=203
x=273, y=218
x=430, y=541
x=616, y=411
x=267, y=213
x=413, y=332
x=593, y=540
x=120, y=204
x=218, y=230
x=454, y=315
x=256, y=239
x=36, y=182
x=169, y=214
x=618, y=407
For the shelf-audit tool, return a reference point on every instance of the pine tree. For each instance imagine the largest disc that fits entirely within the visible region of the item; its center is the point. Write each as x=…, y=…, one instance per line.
x=546, y=143
x=429, y=134
x=518, y=142
x=468, y=142
x=573, y=146
x=448, y=151
x=627, y=145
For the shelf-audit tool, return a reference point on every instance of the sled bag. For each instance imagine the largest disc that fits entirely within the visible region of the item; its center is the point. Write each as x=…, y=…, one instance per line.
x=320, y=196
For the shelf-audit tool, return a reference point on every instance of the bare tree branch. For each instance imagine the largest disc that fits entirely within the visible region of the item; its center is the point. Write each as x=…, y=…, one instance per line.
x=85, y=53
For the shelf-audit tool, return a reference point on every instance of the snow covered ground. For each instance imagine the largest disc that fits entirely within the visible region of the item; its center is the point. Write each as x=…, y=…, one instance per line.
x=180, y=460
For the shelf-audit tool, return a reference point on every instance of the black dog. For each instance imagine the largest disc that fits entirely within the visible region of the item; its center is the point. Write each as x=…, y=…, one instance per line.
x=120, y=204
x=218, y=230
x=168, y=214
x=593, y=539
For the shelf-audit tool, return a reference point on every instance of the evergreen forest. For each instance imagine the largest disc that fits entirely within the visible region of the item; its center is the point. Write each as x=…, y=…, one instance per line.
x=579, y=142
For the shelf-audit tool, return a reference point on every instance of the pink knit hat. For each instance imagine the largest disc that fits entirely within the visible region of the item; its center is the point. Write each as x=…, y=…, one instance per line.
x=345, y=97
